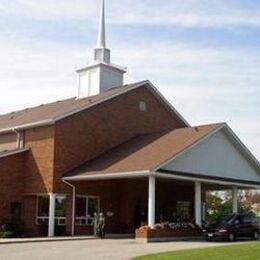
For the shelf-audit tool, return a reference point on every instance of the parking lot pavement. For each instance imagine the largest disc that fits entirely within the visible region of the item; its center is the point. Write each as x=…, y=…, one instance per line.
x=92, y=249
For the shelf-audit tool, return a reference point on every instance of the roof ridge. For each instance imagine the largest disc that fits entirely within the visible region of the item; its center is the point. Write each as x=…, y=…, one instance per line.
x=72, y=98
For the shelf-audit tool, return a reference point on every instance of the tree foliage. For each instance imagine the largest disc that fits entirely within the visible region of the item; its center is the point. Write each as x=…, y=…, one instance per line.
x=220, y=203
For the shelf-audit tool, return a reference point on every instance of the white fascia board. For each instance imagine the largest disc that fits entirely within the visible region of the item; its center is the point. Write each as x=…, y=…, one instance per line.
x=111, y=66
x=189, y=147
x=27, y=126
x=13, y=152
x=54, y=120
x=242, y=148
x=205, y=180
x=109, y=176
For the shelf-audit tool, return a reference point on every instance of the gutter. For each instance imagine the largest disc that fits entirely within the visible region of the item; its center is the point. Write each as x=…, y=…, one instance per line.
x=108, y=176
x=27, y=126
x=18, y=138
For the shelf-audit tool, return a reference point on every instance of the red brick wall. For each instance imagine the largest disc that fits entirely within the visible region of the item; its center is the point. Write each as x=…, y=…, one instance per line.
x=121, y=197
x=38, y=176
x=89, y=133
x=11, y=183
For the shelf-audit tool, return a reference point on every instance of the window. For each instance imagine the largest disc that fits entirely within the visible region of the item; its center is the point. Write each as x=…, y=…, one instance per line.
x=142, y=106
x=60, y=210
x=42, y=210
x=42, y=217
x=183, y=210
x=85, y=207
x=248, y=218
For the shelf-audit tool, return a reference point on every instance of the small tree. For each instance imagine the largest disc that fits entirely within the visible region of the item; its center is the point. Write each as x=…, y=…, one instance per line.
x=220, y=203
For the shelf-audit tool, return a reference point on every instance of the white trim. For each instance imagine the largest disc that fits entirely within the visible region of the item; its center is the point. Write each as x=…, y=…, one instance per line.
x=13, y=152
x=27, y=126
x=189, y=148
x=55, y=119
x=197, y=203
x=202, y=180
x=52, y=206
x=111, y=66
x=151, y=200
x=224, y=126
x=140, y=174
x=47, y=195
x=108, y=176
x=235, y=199
x=243, y=149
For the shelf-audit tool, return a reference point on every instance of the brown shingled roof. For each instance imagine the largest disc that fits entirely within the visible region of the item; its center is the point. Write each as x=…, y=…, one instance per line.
x=53, y=110
x=145, y=152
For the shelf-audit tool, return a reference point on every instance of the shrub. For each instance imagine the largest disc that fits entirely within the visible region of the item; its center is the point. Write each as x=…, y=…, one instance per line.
x=6, y=234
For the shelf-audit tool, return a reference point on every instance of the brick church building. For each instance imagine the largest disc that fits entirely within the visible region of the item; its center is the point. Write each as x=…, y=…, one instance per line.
x=118, y=149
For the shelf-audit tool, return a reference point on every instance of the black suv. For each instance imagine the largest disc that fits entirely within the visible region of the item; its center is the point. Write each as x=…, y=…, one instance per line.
x=230, y=227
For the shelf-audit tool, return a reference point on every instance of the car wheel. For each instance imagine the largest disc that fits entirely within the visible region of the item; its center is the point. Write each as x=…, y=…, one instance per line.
x=256, y=235
x=231, y=237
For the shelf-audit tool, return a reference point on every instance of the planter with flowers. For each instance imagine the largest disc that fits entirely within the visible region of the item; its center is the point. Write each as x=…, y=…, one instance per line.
x=167, y=232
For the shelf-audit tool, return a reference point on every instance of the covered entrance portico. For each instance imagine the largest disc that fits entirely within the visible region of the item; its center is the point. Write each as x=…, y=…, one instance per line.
x=130, y=200
x=162, y=175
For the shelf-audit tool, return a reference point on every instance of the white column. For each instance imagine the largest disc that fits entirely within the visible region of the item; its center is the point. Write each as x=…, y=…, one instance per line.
x=52, y=197
x=151, y=202
x=197, y=203
x=235, y=200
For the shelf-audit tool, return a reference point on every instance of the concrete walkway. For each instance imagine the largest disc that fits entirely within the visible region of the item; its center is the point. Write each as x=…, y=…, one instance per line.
x=92, y=249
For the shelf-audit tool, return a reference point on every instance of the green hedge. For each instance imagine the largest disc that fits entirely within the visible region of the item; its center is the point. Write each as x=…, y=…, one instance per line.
x=6, y=234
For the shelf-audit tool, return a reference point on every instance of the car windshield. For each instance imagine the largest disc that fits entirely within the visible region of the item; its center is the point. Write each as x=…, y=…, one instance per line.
x=225, y=219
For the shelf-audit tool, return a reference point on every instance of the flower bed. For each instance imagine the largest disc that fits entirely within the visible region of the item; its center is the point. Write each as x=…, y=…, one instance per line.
x=167, y=232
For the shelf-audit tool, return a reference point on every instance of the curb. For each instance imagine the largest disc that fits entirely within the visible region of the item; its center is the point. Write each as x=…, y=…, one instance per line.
x=25, y=241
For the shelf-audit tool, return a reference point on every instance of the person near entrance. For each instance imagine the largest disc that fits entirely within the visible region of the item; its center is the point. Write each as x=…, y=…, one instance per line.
x=95, y=224
x=101, y=225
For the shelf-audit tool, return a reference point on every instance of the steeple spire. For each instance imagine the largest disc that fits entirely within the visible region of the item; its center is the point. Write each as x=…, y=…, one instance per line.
x=100, y=75
x=102, y=54
x=101, y=43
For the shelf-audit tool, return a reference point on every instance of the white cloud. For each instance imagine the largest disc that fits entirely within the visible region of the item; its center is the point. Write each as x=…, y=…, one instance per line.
x=205, y=84
x=188, y=13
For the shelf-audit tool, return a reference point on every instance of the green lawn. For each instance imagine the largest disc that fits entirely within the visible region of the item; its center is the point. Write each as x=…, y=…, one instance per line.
x=250, y=251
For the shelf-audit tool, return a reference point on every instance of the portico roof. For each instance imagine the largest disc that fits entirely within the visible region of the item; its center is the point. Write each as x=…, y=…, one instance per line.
x=144, y=152
x=156, y=152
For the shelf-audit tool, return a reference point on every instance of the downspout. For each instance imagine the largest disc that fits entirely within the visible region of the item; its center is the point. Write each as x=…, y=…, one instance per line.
x=73, y=206
x=18, y=142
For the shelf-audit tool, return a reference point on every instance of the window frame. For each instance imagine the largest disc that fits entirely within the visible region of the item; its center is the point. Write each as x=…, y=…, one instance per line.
x=59, y=221
x=83, y=221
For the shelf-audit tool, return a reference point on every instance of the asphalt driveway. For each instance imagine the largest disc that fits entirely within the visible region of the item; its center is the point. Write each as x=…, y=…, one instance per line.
x=91, y=249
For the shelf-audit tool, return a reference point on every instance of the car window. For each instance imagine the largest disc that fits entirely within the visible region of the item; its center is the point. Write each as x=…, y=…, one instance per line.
x=225, y=219
x=249, y=218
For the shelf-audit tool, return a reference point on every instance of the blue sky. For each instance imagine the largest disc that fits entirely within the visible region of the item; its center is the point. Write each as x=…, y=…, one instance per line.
x=203, y=55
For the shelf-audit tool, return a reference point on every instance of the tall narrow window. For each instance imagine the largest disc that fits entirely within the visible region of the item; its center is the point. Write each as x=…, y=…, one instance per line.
x=42, y=210
x=60, y=210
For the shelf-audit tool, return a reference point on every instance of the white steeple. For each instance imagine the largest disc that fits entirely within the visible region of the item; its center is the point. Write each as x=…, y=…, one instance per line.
x=101, y=43
x=101, y=75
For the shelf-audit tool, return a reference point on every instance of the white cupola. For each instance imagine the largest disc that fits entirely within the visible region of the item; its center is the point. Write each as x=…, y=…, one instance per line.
x=100, y=75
